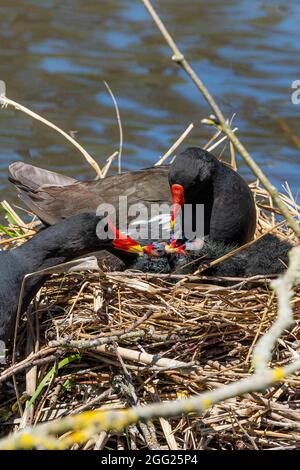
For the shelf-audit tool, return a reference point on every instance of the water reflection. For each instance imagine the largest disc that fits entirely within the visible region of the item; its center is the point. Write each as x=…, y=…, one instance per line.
x=55, y=55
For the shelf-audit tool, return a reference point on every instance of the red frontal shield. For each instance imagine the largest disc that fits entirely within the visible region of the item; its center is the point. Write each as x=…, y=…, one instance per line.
x=177, y=192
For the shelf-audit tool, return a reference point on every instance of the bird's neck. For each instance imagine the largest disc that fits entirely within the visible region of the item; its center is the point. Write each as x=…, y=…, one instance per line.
x=58, y=244
x=38, y=253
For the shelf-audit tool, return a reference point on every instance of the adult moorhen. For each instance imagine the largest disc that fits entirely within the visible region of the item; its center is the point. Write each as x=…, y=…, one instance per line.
x=62, y=242
x=195, y=177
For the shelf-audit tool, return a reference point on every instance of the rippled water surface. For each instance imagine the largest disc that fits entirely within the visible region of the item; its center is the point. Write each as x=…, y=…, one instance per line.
x=56, y=54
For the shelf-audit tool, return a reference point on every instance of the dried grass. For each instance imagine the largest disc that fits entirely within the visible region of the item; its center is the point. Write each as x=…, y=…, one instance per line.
x=210, y=327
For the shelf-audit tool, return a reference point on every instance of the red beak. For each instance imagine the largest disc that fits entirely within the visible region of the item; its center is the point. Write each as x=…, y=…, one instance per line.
x=178, y=201
x=124, y=242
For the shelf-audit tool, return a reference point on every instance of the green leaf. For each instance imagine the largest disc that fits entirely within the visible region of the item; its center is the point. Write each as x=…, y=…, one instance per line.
x=64, y=362
x=7, y=232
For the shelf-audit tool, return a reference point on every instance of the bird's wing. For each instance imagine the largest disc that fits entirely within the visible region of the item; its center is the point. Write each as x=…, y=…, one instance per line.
x=33, y=178
x=52, y=196
x=233, y=217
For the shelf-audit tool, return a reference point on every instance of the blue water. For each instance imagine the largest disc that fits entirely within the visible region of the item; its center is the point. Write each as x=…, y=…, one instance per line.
x=55, y=56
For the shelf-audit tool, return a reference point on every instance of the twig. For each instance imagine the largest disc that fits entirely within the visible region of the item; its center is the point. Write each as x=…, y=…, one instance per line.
x=119, y=124
x=92, y=402
x=175, y=145
x=125, y=384
x=219, y=142
x=212, y=139
x=95, y=343
x=192, y=277
x=108, y=163
x=4, y=101
x=145, y=358
x=35, y=360
x=14, y=239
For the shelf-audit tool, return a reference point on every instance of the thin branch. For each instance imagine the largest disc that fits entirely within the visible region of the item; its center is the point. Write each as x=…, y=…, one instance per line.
x=219, y=142
x=119, y=124
x=283, y=287
x=108, y=163
x=97, y=342
x=4, y=101
x=175, y=145
x=7, y=241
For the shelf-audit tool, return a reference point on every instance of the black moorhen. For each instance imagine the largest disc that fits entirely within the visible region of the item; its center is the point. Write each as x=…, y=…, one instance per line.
x=62, y=242
x=196, y=177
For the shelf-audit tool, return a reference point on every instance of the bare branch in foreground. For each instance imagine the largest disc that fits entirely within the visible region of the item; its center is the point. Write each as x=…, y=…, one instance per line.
x=220, y=141
x=283, y=288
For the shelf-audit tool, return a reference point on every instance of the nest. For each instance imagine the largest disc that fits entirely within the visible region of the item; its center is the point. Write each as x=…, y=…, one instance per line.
x=158, y=338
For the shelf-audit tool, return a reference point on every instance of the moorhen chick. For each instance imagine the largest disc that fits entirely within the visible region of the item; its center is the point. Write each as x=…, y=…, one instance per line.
x=267, y=256
x=195, y=177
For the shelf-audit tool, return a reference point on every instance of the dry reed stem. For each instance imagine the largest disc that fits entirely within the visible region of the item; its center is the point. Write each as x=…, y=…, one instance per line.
x=212, y=147
x=175, y=145
x=4, y=101
x=120, y=127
